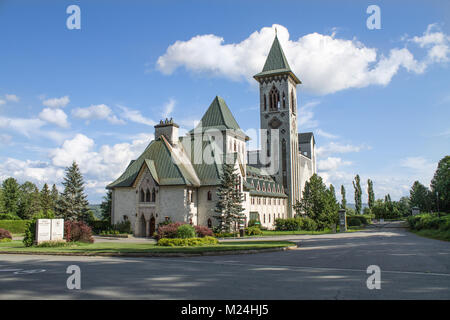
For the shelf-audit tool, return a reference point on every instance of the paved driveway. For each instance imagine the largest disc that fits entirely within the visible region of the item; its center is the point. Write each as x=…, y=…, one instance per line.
x=323, y=267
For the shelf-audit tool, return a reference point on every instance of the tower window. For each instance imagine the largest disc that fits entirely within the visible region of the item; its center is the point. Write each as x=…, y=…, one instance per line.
x=265, y=103
x=274, y=99
x=209, y=196
x=147, y=196
x=293, y=106
x=284, y=101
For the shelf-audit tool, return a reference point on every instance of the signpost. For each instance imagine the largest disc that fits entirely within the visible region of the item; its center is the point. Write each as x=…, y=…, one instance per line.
x=49, y=230
x=342, y=221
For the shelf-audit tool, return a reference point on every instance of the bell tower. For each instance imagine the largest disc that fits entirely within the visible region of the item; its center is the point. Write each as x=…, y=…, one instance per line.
x=278, y=111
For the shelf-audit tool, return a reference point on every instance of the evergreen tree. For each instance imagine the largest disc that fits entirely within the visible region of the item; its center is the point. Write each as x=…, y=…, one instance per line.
x=55, y=197
x=29, y=200
x=106, y=206
x=47, y=204
x=318, y=203
x=10, y=196
x=344, y=201
x=370, y=193
x=358, y=201
x=2, y=205
x=229, y=205
x=72, y=203
x=440, y=185
x=420, y=197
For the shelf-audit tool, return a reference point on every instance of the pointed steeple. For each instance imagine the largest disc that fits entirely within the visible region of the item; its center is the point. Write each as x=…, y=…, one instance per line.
x=276, y=62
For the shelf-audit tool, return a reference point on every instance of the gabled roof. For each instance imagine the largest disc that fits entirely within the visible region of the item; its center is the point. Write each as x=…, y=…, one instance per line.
x=257, y=177
x=276, y=62
x=159, y=159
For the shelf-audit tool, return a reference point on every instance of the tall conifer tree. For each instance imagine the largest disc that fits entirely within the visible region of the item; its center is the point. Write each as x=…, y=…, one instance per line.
x=73, y=204
x=358, y=201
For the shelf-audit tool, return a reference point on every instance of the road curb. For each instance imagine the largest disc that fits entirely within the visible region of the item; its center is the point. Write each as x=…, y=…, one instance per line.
x=153, y=254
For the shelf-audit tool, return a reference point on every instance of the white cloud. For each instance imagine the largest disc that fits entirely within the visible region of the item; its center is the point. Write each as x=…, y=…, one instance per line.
x=337, y=147
x=56, y=102
x=136, y=116
x=12, y=97
x=21, y=125
x=101, y=112
x=306, y=116
x=55, y=116
x=325, y=64
x=436, y=42
x=325, y=134
x=35, y=171
x=2, y=102
x=332, y=163
x=168, y=108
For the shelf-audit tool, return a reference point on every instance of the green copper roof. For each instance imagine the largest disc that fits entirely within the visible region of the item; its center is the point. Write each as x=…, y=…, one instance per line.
x=276, y=62
x=218, y=116
x=158, y=158
x=276, y=59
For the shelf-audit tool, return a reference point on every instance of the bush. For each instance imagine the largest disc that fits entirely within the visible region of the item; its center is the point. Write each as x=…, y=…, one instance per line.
x=98, y=226
x=5, y=240
x=225, y=234
x=185, y=231
x=429, y=221
x=295, y=224
x=353, y=221
x=203, y=231
x=9, y=216
x=253, y=223
x=187, y=242
x=168, y=230
x=5, y=234
x=253, y=231
x=14, y=226
x=77, y=231
x=123, y=227
x=359, y=220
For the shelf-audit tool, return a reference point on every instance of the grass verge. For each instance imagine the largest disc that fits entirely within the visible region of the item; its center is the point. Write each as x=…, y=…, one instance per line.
x=433, y=234
x=106, y=247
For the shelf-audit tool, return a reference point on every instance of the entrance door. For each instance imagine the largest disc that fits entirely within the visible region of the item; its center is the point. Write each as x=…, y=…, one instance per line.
x=152, y=226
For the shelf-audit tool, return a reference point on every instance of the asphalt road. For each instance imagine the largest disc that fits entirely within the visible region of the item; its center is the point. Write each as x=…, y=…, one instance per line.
x=323, y=267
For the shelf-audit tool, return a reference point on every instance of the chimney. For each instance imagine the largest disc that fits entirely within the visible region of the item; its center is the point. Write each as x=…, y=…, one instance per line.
x=168, y=129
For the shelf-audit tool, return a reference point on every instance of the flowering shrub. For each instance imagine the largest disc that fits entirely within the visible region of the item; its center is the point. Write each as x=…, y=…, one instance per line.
x=203, y=231
x=253, y=231
x=169, y=230
x=5, y=234
x=77, y=231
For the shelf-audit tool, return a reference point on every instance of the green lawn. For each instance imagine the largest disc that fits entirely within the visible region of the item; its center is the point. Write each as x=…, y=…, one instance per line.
x=108, y=247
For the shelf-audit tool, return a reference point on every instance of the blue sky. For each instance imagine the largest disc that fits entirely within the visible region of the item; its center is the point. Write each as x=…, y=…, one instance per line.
x=378, y=101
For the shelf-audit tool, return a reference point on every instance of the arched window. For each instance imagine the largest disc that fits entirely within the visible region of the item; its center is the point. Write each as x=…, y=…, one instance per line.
x=153, y=195
x=269, y=217
x=209, y=195
x=265, y=103
x=235, y=149
x=209, y=223
x=284, y=101
x=274, y=99
x=142, y=196
x=147, y=196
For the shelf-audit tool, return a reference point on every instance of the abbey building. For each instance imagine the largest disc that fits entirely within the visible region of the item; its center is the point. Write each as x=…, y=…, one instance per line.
x=177, y=177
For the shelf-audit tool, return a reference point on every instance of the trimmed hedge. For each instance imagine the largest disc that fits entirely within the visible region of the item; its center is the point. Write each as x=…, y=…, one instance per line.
x=187, y=242
x=185, y=231
x=358, y=220
x=14, y=226
x=295, y=224
x=98, y=226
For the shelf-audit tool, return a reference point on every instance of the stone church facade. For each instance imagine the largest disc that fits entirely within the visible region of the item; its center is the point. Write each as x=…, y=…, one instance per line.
x=177, y=177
